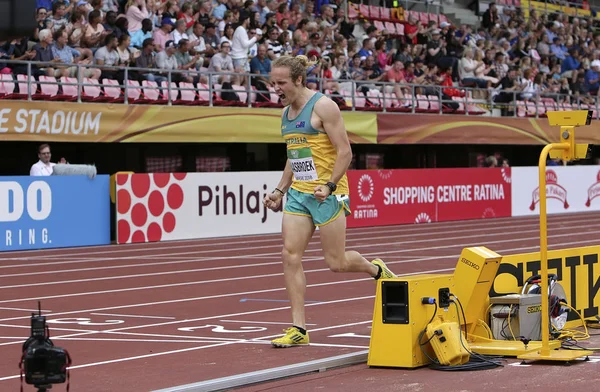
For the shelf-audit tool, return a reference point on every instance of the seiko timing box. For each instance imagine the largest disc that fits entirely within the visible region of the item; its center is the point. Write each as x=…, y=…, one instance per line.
x=516, y=316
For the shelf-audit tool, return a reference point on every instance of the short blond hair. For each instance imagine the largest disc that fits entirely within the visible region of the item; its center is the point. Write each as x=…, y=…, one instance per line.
x=297, y=65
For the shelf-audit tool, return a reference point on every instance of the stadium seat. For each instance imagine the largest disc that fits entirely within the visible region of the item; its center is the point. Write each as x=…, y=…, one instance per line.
x=153, y=94
x=69, y=88
x=112, y=90
x=91, y=91
x=170, y=89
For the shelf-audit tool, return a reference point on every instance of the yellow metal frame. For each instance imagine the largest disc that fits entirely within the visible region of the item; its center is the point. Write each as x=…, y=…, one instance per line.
x=568, y=151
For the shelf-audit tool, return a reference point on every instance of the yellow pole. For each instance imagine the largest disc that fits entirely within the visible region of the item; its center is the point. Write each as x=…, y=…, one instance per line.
x=544, y=245
x=544, y=250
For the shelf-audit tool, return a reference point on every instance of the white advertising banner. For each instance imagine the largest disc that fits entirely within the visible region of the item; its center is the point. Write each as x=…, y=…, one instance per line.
x=175, y=206
x=568, y=189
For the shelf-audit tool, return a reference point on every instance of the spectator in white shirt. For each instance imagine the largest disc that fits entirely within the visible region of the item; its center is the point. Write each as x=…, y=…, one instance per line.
x=222, y=62
x=241, y=43
x=44, y=167
x=199, y=46
x=179, y=32
x=166, y=60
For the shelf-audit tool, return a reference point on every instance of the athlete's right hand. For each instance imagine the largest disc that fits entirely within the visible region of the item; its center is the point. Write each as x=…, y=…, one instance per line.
x=272, y=200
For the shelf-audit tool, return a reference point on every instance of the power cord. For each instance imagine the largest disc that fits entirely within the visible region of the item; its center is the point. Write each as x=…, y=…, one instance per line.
x=476, y=361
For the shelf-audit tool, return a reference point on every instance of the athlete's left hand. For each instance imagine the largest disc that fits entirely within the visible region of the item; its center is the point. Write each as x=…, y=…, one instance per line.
x=322, y=192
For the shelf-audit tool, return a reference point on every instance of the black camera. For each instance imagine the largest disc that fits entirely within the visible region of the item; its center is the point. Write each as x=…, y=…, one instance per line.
x=42, y=362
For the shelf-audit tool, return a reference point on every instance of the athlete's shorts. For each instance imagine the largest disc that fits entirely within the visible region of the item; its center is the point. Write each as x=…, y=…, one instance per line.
x=306, y=204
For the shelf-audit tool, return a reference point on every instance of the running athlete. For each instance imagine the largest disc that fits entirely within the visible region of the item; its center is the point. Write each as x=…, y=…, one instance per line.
x=315, y=181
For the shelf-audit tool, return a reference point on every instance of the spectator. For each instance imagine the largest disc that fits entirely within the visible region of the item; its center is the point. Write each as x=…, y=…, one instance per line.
x=44, y=53
x=136, y=12
x=68, y=55
x=180, y=31
x=166, y=60
x=162, y=35
x=146, y=60
x=58, y=19
x=185, y=61
x=591, y=77
x=95, y=33
x=241, y=43
x=44, y=167
x=108, y=56
x=199, y=46
x=222, y=62
x=138, y=38
x=210, y=36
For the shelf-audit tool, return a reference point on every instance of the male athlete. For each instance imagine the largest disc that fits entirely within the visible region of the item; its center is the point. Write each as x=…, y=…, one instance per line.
x=315, y=180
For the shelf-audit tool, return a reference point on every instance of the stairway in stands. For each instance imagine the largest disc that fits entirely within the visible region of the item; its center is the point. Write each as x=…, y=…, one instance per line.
x=458, y=13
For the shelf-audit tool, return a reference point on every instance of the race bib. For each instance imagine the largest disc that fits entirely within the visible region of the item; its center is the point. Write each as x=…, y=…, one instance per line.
x=302, y=164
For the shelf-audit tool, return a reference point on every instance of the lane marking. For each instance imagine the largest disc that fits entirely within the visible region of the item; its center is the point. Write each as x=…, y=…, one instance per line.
x=118, y=360
x=132, y=315
x=171, y=285
x=258, y=322
x=27, y=310
x=271, y=300
x=474, y=225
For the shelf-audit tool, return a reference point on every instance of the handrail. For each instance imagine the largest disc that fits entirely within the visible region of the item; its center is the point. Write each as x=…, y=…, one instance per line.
x=352, y=93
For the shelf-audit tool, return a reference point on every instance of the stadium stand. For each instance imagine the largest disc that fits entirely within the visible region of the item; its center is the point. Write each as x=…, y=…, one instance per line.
x=393, y=56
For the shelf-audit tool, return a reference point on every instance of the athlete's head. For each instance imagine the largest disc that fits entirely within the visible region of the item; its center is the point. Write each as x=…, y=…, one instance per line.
x=288, y=76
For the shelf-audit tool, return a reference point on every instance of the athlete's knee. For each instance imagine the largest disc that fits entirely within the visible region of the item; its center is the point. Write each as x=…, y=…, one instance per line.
x=291, y=257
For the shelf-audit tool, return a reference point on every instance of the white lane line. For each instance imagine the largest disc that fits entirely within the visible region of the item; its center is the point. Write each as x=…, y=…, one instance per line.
x=258, y=322
x=134, y=315
x=210, y=242
x=456, y=245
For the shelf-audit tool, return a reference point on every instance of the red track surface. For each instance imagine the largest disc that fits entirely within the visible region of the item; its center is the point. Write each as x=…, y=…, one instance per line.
x=152, y=316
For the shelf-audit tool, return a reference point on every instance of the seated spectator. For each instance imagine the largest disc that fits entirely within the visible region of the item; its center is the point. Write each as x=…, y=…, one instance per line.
x=467, y=68
x=186, y=62
x=395, y=75
x=44, y=53
x=179, y=32
x=136, y=12
x=138, y=38
x=68, y=56
x=187, y=15
x=199, y=46
x=58, y=18
x=166, y=60
x=222, y=62
x=108, y=56
x=162, y=35
x=95, y=34
x=261, y=65
x=146, y=60
x=592, y=80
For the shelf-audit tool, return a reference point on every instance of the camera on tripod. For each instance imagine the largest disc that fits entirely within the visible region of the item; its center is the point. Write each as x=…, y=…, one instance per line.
x=42, y=362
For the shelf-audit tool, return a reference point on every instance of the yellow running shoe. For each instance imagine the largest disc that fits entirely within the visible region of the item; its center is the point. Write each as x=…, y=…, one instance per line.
x=292, y=337
x=385, y=271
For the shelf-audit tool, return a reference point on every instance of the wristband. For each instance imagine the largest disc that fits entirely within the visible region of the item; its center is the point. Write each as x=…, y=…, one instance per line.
x=332, y=187
x=279, y=190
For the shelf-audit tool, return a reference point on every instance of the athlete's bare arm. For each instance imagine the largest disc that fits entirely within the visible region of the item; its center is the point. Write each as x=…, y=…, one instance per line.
x=333, y=124
x=286, y=178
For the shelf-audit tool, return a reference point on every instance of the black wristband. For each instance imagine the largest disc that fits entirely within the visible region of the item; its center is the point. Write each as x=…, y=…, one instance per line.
x=279, y=190
x=332, y=187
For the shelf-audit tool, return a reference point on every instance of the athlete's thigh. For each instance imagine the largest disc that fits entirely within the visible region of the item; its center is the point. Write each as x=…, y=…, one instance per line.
x=297, y=230
x=333, y=239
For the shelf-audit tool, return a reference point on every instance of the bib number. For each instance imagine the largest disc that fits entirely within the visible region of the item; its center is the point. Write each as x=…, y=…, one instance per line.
x=302, y=164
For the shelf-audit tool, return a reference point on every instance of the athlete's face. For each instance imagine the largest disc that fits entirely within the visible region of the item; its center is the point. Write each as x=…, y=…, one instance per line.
x=285, y=88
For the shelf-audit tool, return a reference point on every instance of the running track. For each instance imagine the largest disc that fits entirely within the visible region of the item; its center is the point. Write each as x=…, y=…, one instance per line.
x=152, y=316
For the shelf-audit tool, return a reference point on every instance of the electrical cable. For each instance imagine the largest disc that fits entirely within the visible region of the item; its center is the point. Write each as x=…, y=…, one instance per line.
x=476, y=361
x=481, y=361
